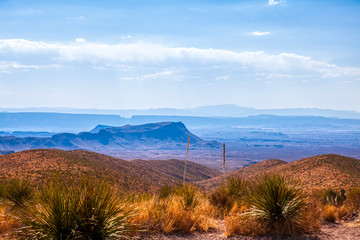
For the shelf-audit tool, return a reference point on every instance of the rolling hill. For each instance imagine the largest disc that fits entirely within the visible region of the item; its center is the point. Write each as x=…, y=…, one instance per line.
x=39, y=165
x=319, y=172
x=175, y=168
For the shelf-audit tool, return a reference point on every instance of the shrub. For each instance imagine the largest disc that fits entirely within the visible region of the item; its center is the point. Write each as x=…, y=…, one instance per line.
x=82, y=209
x=221, y=199
x=186, y=209
x=331, y=213
x=353, y=199
x=188, y=196
x=332, y=197
x=18, y=192
x=277, y=203
x=225, y=196
x=165, y=191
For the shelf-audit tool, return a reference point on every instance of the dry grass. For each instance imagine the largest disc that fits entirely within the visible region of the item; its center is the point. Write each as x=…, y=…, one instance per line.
x=331, y=213
x=181, y=211
x=319, y=172
x=353, y=199
x=9, y=223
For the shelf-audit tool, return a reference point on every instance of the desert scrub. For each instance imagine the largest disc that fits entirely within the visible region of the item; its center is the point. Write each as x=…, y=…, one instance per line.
x=333, y=197
x=78, y=209
x=227, y=195
x=276, y=206
x=18, y=192
x=331, y=213
x=185, y=209
x=353, y=199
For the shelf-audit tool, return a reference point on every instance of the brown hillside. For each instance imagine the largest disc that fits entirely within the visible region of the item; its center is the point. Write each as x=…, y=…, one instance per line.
x=325, y=171
x=246, y=172
x=319, y=172
x=175, y=168
x=39, y=165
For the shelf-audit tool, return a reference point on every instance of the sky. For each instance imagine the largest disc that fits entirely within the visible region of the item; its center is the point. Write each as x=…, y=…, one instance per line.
x=139, y=54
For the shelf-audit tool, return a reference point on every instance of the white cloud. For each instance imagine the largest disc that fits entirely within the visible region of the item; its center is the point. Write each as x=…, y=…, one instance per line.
x=8, y=67
x=157, y=75
x=80, y=40
x=257, y=33
x=159, y=57
x=274, y=3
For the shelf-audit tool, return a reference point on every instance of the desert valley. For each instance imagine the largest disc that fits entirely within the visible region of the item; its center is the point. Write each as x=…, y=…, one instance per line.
x=158, y=192
x=179, y=119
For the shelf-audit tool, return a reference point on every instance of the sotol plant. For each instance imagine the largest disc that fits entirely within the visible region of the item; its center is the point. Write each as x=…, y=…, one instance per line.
x=276, y=202
x=18, y=192
x=82, y=209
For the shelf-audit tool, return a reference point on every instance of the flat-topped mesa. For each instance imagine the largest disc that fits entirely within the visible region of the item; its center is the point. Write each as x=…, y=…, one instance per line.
x=162, y=135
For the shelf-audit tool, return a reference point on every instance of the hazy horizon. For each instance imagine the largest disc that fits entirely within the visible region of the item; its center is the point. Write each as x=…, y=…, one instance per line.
x=264, y=54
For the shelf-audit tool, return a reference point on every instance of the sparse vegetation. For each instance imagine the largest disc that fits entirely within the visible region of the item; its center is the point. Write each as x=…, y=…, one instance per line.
x=276, y=206
x=186, y=209
x=18, y=192
x=231, y=192
x=331, y=213
x=82, y=209
x=353, y=199
x=333, y=197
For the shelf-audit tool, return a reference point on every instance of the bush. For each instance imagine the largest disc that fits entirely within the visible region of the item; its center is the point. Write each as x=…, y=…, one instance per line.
x=353, y=199
x=186, y=209
x=331, y=213
x=18, y=192
x=277, y=203
x=332, y=197
x=78, y=210
x=165, y=191
x=188, y=195
x=225, y=196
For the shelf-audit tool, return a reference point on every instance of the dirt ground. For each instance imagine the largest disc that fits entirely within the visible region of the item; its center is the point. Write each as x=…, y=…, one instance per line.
x=345, y=230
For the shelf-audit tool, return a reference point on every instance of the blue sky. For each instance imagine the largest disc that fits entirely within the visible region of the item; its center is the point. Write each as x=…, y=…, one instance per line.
x=180, y=53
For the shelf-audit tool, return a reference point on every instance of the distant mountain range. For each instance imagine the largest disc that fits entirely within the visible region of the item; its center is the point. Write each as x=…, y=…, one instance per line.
x=164, y=135
x=226, y=110
x=46, y=124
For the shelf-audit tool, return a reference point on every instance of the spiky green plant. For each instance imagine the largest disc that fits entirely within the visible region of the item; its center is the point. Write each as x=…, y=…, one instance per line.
x=277, y=202
x=82, y=209
x=18, y=192
x=189, y=195
x=237, y=187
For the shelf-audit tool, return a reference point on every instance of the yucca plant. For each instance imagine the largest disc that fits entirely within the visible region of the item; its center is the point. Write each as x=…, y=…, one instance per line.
x=82, y=209
x=277, y=202
x=18, y=192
